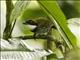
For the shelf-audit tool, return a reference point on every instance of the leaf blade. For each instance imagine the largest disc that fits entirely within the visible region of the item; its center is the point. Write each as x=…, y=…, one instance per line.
x=52, y=8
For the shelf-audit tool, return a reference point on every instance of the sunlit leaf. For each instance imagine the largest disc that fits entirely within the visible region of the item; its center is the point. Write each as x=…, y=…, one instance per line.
x=19, y=7
x=57, y=16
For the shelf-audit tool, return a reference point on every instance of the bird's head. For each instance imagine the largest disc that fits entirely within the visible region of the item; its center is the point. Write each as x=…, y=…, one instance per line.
x=30, y=22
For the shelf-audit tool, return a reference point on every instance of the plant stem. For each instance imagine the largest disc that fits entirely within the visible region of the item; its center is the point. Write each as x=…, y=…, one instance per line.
x=32, y=37
x=9, y=7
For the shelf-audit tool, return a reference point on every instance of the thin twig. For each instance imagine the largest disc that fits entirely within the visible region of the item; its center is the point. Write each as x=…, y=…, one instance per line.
x=32, y=37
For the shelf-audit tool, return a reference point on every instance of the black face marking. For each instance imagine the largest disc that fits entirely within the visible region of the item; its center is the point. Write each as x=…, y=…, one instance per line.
x=30, y=22
x=27, y=22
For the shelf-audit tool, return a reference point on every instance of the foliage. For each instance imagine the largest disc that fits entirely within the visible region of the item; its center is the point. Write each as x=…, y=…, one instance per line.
x=56, y=11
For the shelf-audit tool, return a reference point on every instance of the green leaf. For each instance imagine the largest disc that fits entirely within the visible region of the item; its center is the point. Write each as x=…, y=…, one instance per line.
x=71, y=55
x=70, y=8
x=54, y=12
x=19, y=7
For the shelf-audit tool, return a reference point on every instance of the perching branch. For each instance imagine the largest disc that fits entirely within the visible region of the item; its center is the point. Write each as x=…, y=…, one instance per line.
x=32, y=37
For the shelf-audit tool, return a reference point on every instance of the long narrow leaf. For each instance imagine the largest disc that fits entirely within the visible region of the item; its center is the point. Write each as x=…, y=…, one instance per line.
x=54, y=12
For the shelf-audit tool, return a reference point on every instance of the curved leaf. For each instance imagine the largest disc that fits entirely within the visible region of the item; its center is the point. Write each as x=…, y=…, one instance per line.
x=19, y=7
x=53, y=10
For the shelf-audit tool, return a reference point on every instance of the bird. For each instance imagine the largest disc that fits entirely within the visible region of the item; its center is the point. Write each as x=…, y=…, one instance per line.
x=43, y=25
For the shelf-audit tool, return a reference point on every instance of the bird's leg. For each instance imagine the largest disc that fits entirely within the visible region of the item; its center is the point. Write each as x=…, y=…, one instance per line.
x=34, y=36
x=49, y=33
